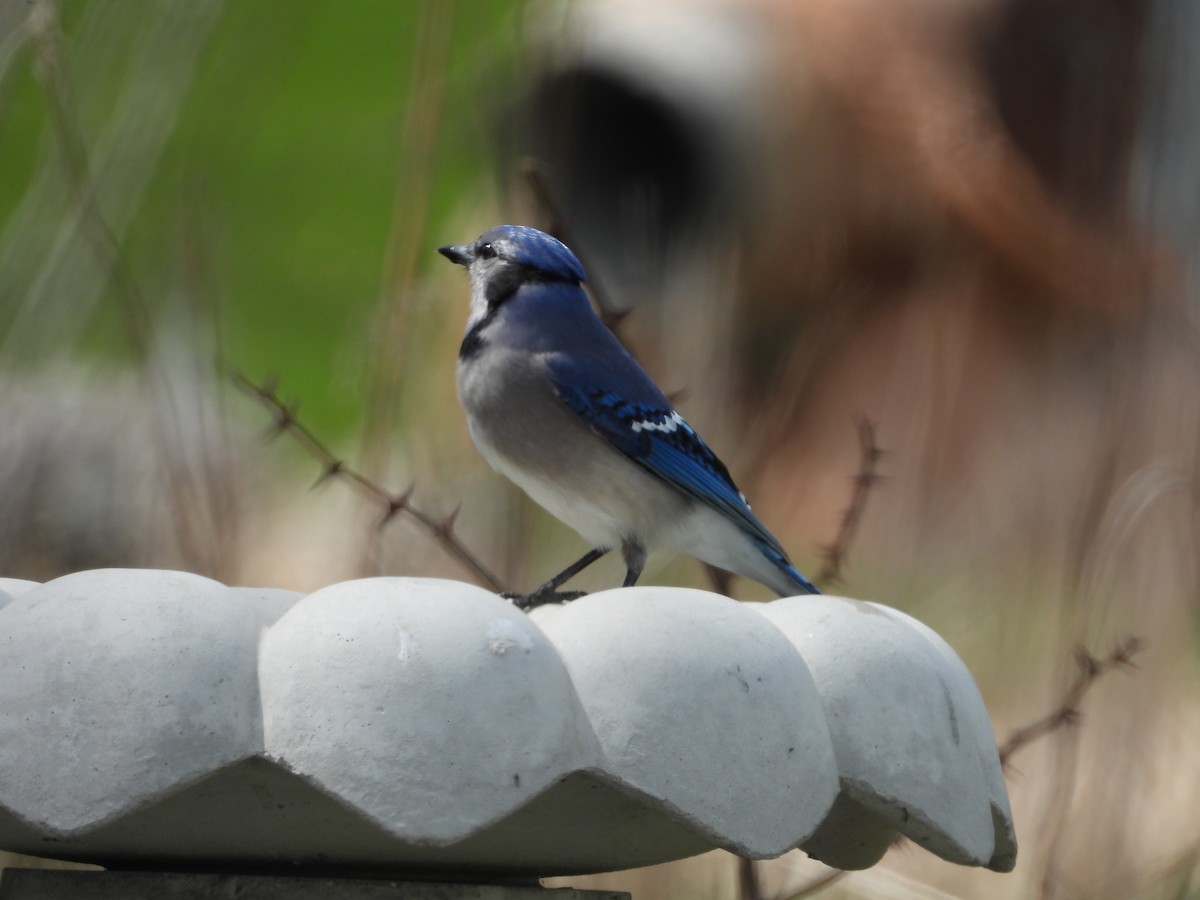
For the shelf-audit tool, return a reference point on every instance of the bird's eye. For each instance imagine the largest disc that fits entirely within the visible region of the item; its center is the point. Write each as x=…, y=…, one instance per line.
x=486, y=251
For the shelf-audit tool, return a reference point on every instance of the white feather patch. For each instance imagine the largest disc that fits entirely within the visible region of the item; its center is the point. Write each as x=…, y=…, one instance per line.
x=666, y=426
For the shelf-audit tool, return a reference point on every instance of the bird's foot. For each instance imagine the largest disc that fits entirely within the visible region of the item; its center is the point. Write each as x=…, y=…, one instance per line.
x=541, y=597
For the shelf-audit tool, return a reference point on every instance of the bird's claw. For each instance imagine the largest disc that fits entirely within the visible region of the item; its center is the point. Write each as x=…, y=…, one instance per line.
x=541, y=597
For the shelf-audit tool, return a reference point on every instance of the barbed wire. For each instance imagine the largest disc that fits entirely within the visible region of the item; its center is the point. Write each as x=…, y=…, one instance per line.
x=333, y=467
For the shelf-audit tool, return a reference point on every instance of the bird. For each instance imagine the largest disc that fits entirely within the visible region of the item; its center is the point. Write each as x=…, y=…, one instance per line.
x=556, y=404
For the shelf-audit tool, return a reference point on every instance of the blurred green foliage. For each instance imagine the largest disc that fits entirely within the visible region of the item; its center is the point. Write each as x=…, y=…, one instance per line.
x=275, y=191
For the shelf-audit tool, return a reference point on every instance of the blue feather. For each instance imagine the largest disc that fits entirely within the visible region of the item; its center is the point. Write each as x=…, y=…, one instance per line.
x=658, y=439
x=534, y=249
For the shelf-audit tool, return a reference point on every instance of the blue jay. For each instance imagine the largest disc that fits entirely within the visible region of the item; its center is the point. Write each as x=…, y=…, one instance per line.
x=556, y=404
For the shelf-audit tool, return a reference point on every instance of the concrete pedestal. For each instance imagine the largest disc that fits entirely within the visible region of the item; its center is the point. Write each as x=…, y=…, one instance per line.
x=56, y=884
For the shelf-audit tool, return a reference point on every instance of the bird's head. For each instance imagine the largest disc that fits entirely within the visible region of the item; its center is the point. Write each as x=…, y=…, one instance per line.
x=515, y=252
x=501, y=262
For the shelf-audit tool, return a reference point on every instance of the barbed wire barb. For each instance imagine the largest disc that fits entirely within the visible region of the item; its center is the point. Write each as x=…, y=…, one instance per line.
x=333, y=468
x=834, y=554
x=1066, y=713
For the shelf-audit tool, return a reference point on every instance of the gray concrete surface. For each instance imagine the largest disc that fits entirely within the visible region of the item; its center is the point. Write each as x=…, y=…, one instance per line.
x=914, y=746
x=48, y=884
x=13, y=587
x=153, y=719
x=431, y=706
x=697, y=700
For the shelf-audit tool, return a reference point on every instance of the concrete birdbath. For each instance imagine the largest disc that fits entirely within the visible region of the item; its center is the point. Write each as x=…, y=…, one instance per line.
x=158, y=723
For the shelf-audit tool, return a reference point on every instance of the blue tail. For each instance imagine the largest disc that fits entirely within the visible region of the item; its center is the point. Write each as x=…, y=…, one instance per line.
x=783, y=564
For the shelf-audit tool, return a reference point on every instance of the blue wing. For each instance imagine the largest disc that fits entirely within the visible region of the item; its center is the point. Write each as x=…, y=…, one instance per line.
x=640, y=422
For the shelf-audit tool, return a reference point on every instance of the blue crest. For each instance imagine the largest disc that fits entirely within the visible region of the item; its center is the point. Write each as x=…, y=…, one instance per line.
x=532, y=248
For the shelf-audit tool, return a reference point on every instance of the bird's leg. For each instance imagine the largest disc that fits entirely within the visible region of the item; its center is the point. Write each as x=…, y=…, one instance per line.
x=635, y=560
x=549, y=592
